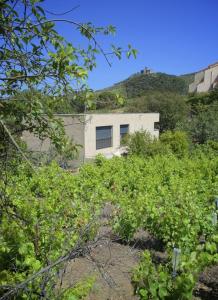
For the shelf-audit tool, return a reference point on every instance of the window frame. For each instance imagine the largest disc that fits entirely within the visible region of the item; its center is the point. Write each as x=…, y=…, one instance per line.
x=156, y=126
x=103, y=140
x=122, y=135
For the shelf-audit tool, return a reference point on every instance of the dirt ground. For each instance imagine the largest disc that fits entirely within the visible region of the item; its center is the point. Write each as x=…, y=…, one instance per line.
x=111, y=262
x=207, y=287
x=111, y=265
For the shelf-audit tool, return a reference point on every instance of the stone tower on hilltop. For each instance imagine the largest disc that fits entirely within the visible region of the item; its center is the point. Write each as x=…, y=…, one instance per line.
x=146, y=71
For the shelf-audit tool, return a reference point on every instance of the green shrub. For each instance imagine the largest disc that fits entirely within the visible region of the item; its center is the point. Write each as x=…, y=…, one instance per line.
x=158, y=282
x=176, y=141
x=142, y=143
x=43, y=219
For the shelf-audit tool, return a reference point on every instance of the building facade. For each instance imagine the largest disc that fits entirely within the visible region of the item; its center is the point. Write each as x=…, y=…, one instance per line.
x=205, y=80
x=98, y=133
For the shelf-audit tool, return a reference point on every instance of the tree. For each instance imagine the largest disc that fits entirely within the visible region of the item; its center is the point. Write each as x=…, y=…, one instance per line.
x=172, y=107
x=201, y=101
x=202, y=125
x=33, y=56
x=32, y=50
x=108, y=100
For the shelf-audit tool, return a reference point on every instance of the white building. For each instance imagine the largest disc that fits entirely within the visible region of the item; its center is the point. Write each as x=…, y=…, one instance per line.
x=98, y=133
x=205, y=79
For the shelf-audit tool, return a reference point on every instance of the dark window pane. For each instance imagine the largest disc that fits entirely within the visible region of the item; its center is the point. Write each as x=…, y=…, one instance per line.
x=103, y=137
x=156, y=125
x=124, y=129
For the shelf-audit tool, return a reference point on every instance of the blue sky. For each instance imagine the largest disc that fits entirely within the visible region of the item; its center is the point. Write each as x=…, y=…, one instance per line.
x=172, y=36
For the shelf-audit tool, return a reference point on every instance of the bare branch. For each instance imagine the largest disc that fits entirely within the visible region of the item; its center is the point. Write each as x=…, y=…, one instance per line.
x=63, y=13
x=16, y=145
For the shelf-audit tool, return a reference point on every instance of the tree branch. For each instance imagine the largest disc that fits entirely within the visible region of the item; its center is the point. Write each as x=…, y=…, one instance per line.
x=80, y=26
x=64, y=13
x=16, y=145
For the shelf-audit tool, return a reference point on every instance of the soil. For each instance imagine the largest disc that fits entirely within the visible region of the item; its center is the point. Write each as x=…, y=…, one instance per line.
x=111, y=262
x=207, y=287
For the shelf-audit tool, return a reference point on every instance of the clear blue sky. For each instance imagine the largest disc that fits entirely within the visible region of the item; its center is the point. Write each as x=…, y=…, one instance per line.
x=172, y=36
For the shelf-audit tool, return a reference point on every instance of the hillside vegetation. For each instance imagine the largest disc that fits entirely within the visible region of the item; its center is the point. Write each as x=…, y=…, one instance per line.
x=168, y=95
x=144, y=93
x=141, y=84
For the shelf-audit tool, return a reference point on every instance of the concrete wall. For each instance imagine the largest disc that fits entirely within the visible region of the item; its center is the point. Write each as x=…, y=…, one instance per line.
x=136, y=122
x=74, y=128
x=206, y=84
x=210, y=76
x=82, y=129
x=199, y=77
x=204, y=80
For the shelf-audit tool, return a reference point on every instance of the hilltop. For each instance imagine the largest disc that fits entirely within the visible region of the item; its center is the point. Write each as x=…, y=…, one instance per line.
x=150, y=92
x=142, y=92
x=140, y=84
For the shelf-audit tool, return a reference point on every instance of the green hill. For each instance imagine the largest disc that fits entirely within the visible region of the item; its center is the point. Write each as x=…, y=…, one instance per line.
x=140, y=84
x=154, y=92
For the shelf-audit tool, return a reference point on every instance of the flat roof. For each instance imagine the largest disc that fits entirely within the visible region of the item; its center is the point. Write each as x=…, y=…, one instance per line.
x=87, y=114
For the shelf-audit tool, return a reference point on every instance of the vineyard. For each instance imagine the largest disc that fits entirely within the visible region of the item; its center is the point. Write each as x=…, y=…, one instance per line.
x=52, y=211
x=138, y=227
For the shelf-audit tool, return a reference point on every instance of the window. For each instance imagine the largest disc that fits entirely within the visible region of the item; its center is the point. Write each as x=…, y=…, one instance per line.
x=103, y=137
x=124, y=130
x=156, y=126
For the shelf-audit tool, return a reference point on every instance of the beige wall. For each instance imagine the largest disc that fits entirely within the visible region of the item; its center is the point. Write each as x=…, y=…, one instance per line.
x=204, y=80
x=136, y=122
x=74, y=128
x=210, y=76
x=199, y=77
x=82, y=129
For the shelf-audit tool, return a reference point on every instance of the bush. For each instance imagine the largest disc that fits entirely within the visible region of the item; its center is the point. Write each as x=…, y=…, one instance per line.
x=176, y=141
x=142, y=143
x=44, y=218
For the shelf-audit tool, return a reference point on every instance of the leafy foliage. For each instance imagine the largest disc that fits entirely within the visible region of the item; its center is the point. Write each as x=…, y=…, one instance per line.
x=108, y=100
x=80, y=290
x=143, y=144
x=156, y=282
x=39, y=68
x=172, y=107
x=44, y=214
x=34, y=51
x=153, y=194
x=203, y=124
x=177, y=142
x=140, y=143
x=42, y=219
